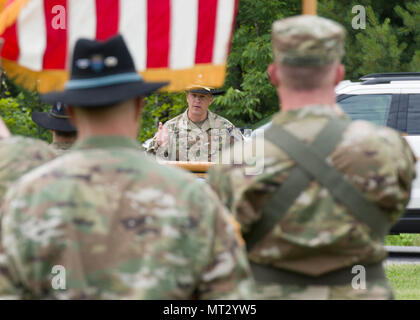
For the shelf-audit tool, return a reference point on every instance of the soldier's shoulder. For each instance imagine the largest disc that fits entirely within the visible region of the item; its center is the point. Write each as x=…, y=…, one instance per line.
x=221, y=121
x=174, y=121
x=19, y=155
x=25, y=149
x=361, y=131
x=132, y=177
x=167, y=180
x=377, y=146
x=167, y=172
x=43, y=171
x=129, y=165
x=21, y=141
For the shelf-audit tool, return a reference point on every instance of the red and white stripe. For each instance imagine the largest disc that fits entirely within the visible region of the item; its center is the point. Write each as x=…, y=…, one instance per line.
x=175, y=34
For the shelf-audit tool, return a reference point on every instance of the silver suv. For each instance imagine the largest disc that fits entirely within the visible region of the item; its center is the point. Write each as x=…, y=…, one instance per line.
x=393, y=100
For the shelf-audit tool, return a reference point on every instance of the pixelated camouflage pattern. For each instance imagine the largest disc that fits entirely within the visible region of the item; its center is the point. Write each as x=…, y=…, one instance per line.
x=307, y=40
x=61, y=147
x=189, y=142
x=318, y=235
x=19, y=155
x=375, y=290
x=123, y=226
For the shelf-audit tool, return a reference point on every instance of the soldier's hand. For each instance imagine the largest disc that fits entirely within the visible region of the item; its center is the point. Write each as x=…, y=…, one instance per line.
x=162, y=135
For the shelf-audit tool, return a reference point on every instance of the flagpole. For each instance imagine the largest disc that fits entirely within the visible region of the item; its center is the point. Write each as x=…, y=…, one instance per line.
x=309, y=7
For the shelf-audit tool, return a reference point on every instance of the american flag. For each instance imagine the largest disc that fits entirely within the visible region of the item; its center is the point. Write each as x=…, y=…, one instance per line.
x=176, y=40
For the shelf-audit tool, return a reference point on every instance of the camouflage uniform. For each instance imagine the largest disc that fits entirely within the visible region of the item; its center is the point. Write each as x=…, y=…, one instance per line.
x=61, y=147
x=189, y=142
x=19, y=155
x=318, y=235
x=123, y=226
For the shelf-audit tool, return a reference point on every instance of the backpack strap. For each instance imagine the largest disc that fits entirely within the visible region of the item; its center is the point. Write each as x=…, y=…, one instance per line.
x=311, y=165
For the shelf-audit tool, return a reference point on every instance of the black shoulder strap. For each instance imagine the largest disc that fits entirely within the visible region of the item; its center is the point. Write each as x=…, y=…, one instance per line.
x=297, y=181
x=311, y=165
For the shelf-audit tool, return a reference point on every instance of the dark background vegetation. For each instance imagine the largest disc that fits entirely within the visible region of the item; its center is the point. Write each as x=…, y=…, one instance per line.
x=389, y=43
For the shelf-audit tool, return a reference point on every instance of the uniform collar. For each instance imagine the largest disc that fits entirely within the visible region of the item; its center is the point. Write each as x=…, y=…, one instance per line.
x=186, y=123
x=62, y=145
x=313, y=110
x=104, y=142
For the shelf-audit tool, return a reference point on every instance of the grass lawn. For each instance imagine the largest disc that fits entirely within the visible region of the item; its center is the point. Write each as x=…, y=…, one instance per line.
x=405, y=280
x=403, y=239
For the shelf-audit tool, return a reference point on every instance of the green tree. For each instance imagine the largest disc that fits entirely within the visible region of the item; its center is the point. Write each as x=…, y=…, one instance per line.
x=18, y=103
x=160, y=107
x=389, y=42
x=410, y=32
x=249, y=95
x=16, y=107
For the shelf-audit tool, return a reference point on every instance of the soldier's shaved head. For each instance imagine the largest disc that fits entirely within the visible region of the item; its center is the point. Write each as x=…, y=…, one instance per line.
x=122, y=118
x=307, y=78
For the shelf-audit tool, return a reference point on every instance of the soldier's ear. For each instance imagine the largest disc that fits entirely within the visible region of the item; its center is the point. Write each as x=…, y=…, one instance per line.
x=138, y=107
x=339, y=74
x=72, y=116
x=272, y=74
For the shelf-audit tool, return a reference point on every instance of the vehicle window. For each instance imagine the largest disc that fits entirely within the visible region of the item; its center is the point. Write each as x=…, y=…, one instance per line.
x=413, y=115
x=370, y=107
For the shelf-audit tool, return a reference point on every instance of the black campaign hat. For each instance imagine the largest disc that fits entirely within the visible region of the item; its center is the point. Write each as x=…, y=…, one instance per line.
x=56, y=119
x=102, y=73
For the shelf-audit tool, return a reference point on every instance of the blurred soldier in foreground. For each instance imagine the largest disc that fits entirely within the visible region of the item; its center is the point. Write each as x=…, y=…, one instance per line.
x=122, y=226
x=330, y=189
x=57, y=121
x=19, y=155
x=197, y=134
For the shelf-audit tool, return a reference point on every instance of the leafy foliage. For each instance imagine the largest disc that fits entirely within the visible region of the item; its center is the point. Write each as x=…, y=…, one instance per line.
x=388, y=44
x=16, y=107
x=403, y=239
x=160, y=108
x=250, y=97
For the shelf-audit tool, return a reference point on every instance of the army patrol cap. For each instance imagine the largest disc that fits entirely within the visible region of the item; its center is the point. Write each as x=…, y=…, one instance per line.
x=198, y=88
x=307, y=40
